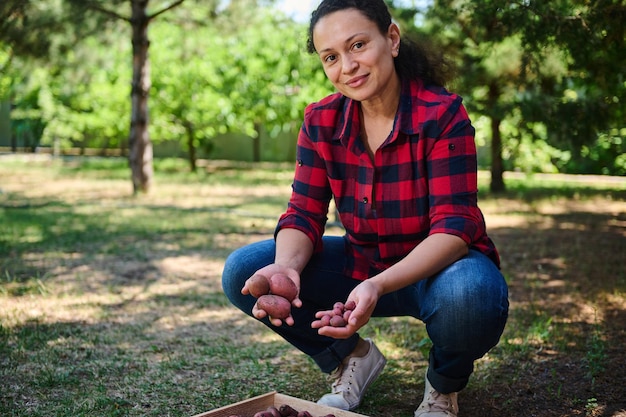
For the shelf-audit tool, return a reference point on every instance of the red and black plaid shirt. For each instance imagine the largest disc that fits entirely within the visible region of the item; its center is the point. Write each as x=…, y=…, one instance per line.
x=422, y=180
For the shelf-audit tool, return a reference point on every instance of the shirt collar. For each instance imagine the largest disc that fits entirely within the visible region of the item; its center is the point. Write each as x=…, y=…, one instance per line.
x=405, y=122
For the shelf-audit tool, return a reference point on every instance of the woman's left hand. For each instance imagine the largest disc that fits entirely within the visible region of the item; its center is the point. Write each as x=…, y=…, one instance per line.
x=365, y=295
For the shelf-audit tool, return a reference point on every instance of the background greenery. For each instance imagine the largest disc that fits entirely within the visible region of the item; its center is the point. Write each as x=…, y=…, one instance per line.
x=543, y=80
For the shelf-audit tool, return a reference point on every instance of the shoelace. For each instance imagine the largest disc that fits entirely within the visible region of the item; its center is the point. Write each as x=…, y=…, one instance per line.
x=438, y=402
x=338, y=375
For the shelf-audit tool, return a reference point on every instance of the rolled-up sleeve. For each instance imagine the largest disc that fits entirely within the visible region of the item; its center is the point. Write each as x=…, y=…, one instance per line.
x=452, y=174
x=307, y=210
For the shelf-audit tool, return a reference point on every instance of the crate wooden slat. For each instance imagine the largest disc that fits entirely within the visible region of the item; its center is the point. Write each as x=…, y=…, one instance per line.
x=249, y=407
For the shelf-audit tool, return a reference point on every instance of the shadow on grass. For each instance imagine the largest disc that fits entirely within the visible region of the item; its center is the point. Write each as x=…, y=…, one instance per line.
x=561, y=354
x=33, y=231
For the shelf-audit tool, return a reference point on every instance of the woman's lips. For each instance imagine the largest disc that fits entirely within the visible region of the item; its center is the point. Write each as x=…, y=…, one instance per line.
x=356, y=81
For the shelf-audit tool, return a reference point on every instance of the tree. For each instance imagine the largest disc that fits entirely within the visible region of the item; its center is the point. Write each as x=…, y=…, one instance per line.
x=40, y=66
x=591, y=96
x=140, y=146
x=255, y=79
x=29, y=30
x=581, y=94
x=189, y=106
x=268, y=77
x=490, y=57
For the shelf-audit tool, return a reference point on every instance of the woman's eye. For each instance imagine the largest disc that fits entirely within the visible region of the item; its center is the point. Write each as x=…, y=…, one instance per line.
x=358, y=45
x=330, y=58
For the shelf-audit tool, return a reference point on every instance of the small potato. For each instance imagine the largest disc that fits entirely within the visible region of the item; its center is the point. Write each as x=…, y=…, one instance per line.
x=346, y=315
x=281, y=284
x=337, y=321
x=304, y=413
x=287, y=411
x=258, y=285
x=325, y=320
x=276, y=306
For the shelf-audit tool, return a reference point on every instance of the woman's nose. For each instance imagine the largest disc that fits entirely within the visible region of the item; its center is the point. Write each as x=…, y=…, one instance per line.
x=348, y=65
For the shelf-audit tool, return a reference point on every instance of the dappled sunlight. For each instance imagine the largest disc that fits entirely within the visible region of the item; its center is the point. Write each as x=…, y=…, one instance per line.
x=190, y=266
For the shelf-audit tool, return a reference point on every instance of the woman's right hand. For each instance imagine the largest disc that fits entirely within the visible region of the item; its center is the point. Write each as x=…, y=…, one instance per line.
x=268, y=272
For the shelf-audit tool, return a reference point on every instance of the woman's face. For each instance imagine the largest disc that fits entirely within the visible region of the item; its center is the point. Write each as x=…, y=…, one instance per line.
x=356, y=57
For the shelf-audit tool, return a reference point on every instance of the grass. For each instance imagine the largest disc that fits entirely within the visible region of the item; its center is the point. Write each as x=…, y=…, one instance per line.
x=111, y=305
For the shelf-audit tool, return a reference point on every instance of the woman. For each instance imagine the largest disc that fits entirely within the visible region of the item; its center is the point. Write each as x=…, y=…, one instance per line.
x=396, y=152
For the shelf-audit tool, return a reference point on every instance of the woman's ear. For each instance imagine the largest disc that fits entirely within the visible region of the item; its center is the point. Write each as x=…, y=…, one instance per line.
x=393, y=34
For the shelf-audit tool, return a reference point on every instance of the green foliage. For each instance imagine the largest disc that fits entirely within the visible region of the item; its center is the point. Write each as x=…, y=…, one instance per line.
x=559, y=65
x=551, y=72
x=252, y=80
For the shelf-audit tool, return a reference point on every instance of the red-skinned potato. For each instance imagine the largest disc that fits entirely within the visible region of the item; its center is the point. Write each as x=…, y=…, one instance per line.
x=286, y=410
x=258, y=285
x=339, y=315
x=276, y=306
x=337, y=321
x=281, y=284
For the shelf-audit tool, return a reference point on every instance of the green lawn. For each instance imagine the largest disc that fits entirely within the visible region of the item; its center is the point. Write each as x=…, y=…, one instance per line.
x=111, y=305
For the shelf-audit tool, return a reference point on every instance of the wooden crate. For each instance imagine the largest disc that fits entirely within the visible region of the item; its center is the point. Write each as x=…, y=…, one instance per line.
x=249, y=407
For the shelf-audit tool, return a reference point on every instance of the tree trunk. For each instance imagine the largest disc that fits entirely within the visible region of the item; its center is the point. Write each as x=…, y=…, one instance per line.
x=256, y=143
x=497, y=165
x=140, y=147
x=192, y=147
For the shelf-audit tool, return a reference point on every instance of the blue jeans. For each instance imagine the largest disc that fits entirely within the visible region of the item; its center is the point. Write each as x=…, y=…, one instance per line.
x=464, y=307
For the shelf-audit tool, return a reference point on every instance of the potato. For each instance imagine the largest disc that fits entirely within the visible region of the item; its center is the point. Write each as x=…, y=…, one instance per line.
x=346, y=315
x=281, y=284
x=258, y=285
x=286, y=410
x=339, y=315
x=337, y=321
x=276, y=306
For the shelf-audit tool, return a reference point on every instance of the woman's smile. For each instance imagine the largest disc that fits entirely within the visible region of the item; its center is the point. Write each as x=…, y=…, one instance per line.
x=357, y=81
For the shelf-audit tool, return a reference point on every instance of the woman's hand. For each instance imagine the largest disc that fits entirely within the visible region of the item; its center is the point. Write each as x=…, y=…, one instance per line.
x=267, y=272
x=365, y=296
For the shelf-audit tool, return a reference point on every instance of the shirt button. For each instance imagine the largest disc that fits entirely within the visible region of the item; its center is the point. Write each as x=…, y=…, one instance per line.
x=365, y=200
x=299, y=162
x=451, y=147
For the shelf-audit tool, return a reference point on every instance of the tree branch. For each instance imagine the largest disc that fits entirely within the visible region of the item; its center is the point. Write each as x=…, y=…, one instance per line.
x=171, y=6
x=100, y=9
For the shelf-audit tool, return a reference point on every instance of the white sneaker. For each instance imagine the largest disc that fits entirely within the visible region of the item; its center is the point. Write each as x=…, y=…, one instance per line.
x=353, y=378
x=436, y=404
